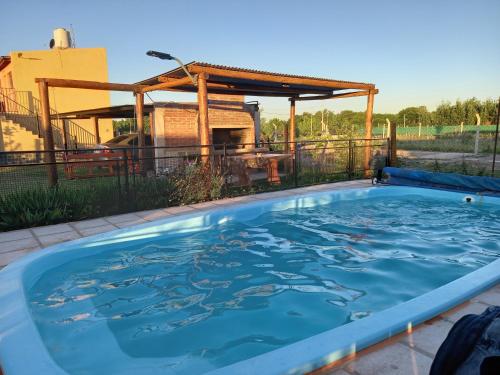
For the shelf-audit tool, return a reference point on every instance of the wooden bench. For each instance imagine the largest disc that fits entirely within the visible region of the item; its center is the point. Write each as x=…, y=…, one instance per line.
x=97, y=164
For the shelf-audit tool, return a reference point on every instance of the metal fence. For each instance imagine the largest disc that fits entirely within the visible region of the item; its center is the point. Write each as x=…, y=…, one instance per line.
x=112, y=181
x=467, y=152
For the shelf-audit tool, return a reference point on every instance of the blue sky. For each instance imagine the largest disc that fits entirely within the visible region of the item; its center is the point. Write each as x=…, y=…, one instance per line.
x=416, y=52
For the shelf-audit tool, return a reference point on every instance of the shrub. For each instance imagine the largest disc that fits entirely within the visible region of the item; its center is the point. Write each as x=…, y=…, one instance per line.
x=197, y=183
x=41, y=206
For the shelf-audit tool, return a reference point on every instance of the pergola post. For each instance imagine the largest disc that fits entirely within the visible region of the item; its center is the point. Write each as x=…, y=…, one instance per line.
x=152, y=130
x=291, y=132
x=368, y=132
x=139, y=113
x=48, y=136
x=203, y=116
x=95, y=122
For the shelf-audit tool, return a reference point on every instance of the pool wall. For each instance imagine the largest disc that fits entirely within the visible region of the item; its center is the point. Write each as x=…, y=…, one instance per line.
x=19, y=335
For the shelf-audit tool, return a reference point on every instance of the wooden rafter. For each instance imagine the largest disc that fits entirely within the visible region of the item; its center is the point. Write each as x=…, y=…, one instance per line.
x=337, y=96
x=169, y=84
x=90, y=85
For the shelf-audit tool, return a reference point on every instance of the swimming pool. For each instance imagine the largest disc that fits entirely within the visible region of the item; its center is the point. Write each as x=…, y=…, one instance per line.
x=276, y=286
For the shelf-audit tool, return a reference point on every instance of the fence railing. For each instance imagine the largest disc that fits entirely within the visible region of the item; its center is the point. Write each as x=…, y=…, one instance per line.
x=23, y=108
x=100, y=182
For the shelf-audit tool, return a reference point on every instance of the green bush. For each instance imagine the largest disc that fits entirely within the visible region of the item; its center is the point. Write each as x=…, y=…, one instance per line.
x=42, y=206
x=198, y=183
x=83, y=199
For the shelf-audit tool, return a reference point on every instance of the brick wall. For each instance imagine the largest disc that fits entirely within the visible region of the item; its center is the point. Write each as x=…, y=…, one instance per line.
x=177, y=123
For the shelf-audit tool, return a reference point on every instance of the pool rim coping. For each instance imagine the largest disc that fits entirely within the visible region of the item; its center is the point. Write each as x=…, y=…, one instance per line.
x=284, y=359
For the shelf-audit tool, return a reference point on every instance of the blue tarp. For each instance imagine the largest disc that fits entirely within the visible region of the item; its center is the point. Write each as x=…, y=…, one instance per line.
x=449, y=181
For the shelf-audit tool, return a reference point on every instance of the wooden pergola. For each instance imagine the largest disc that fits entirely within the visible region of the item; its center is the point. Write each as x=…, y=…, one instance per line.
x=207, y=78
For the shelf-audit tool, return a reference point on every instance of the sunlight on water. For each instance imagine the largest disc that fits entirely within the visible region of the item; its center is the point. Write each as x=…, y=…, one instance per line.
x=202, y=300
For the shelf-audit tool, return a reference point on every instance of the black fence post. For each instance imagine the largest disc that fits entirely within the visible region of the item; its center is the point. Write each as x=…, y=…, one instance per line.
x=394, y=148
x=350, y=152
x=126, y=176
x=295, y=169
x=496, y=142
x=120, y=200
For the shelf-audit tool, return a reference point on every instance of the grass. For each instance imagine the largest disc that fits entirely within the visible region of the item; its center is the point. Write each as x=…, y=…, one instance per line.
x=449, y=143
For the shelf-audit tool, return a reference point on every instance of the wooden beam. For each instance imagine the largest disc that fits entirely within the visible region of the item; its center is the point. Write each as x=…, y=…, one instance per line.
x=89, y=85
x=254, y=76
x=95, y=122
x=368, y=133
x=48, y=136
x=337, y=96
x=168, y=84
x=203, y=116
x=139, y=112
x=252, y=90
x=292, y=126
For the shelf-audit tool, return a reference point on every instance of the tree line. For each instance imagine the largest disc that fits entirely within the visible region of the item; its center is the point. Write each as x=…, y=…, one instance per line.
x=349, y=123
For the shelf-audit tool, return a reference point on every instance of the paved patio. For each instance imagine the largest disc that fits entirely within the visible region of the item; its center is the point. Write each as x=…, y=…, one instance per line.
x=408, y=353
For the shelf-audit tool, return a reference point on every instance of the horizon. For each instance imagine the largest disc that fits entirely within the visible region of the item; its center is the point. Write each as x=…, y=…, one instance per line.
x=417, y=54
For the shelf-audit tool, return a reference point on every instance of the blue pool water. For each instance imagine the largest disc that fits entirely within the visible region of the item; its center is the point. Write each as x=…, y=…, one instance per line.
x=192, y=302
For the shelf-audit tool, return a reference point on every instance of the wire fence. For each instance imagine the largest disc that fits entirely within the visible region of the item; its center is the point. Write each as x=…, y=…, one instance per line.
x=93, y=183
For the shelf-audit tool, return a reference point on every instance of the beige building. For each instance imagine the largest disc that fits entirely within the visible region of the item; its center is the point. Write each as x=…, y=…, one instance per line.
x=19, y=105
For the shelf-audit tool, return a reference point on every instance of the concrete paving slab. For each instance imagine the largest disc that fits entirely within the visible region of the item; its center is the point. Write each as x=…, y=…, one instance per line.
x=15, y=235
x=52, y=229
x=52, y=239
x=92, y=223
x=203, y=205
x=470, y=308
x=153, y=214
x=395, y=359
x=97, y=230
x=23, y=244
x=131, y=223
x=429, y=336
x=121, y=218
x=491, y=297
x=178, y=210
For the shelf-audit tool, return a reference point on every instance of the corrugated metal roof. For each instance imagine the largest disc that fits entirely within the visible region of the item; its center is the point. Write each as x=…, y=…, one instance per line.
x=207, y=65
x=177, y=71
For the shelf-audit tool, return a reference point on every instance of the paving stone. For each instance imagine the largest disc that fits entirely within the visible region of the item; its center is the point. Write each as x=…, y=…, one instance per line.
x=235, y=200
x=15, y=235
x=52, y=239
x=395, y=359
x=203, y=205
x=337, y=372
x=178, y=210
x=429, y=336
x=22, y=244
x=274, y=194
x=153, y=214
x=470, y=308
x=92, y=223
x=7, y=258
x=127, y=224
x=97, y=230
x=52, y=229
x=121, y=218
x=491, y=297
